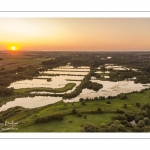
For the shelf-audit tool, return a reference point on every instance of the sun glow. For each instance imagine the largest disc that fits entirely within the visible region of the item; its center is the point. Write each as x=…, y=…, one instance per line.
x=13, y=48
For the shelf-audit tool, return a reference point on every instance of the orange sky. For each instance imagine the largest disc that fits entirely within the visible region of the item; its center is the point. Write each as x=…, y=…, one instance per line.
x=75, y=33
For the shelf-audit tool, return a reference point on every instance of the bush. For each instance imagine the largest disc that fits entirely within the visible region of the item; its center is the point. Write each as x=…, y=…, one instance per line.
x=121, y=127
x=138, y=117
x=113, y=128
x=146, y=120
x=129, y=116
x=136, y=129
x=119, y=111
x=141, y=124
x=99, y=110
x=125, y=105
x=1, y=120
x=146, y=129
x=138, y=104
x=122, y=96
x=79, y=114
x=85, y=117
x=103, y=125
x=83, y=103
x=116, y=122
x=124, y=122
x=81, y=99
x=90, y=127
x=74, y=111
x=108, y=102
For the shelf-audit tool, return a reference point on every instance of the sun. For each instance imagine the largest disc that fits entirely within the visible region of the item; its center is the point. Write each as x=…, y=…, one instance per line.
x=13, y=48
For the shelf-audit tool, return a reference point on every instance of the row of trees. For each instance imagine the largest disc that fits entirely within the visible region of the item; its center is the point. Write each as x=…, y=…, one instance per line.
x=18, y=74
x=49, y=118
x=6, y=91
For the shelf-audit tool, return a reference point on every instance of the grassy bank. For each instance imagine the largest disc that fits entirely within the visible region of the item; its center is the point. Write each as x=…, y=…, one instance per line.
x=67, y=87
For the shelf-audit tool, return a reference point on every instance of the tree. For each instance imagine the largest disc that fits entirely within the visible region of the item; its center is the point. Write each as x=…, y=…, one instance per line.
x=141, y=124
x=108, y=102
x=79, y=114
x=113, y=128
x=1, y=120
x=99, y=110
x=90, y=127
x=138, y=104
x=121, y=127
x=146, y=121
x=74, y=111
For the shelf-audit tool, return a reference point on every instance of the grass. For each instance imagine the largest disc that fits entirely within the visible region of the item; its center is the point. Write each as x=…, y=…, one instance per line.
x=63, y=126
x=67, y=87
x=13, y=63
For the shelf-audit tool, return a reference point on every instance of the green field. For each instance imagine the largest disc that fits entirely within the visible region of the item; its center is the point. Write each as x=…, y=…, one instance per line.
x=27, y=117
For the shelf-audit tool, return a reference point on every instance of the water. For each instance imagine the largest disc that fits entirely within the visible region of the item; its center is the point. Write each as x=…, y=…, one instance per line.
x=109, y=89
x=70, y=69
x=31, y=102
x=66, y=73
x=57, y=82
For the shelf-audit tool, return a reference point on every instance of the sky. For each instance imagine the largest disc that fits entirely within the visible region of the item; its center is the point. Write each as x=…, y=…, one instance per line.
x=75, y=34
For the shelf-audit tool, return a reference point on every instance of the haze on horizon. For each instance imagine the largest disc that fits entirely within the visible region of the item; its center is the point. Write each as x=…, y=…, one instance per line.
x=77, y=34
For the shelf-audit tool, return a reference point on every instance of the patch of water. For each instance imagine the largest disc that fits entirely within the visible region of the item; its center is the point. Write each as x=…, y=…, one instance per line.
x=57, y=82
x=109, y=89
x=31, y=102
x=66, y=73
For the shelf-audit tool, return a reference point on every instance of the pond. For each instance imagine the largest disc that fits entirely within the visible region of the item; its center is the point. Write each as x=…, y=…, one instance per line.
x=109, y=89
x=31, y=102
x=57, y=82
x=71, y=69
x=65, y=72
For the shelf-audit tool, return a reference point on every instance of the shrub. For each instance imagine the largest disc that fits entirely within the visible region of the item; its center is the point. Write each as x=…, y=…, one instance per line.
x=146, y=120
x=124, y=122
x=125, y=105
x=83, y=103
x=99, y=110
x=138, y=117
x=116, y=122
x=79, y=114
x=141, y=124
x=138, y=104
x=122, y=96
x=121, y=127
x=74, y=111
x=113, y=128
x=90, y=127
x=103, y=125
x=81, y=99
x=146, y=129
x=136, y=129
x=1, y=120
x=108, y=102
x=129, y=116
x=119, y=111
